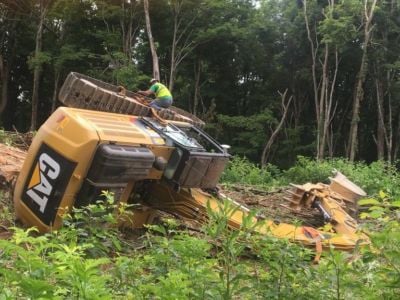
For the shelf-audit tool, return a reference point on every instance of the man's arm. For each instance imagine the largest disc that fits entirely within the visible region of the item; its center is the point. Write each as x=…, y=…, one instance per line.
x=146, y=93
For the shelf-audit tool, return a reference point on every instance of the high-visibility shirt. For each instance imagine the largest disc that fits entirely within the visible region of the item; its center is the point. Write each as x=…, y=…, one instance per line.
x=160, y=90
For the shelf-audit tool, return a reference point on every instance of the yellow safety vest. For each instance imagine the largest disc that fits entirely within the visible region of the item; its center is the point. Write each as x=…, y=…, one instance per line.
x=161, y=90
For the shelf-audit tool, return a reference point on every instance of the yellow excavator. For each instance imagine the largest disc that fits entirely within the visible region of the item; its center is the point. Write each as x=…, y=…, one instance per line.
x=107, y=138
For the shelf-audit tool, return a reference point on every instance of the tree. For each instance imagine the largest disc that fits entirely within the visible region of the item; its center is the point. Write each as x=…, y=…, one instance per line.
x=285, y=108
x=156, y=68
x=38, y=58
x=326, y=41
x=182, y=37
x=368, y=14
x=8, y=25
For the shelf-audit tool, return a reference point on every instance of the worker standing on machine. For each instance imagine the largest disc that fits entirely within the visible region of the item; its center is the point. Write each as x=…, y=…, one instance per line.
x=163, y=95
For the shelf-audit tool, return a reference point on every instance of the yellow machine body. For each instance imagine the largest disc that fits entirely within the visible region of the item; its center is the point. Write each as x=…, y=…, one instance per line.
x=60, y=157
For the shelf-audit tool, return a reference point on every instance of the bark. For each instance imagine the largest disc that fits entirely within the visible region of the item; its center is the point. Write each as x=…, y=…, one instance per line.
x=156, y=68
x=385, y=137
x=197, y=72
x=389, y=140
x=55, y=90
x=38, y=68
x=197, y=99
x=380, y=131
x=330, y=110
x=7, y=61
x=322, y=106
x=177, y=6
x=397, y=147
x=285, y=107
x=313, y=49
x=362, y=73
x=4, y=76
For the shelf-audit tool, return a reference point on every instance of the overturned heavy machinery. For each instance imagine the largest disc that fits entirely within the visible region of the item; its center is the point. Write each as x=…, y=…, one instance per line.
x=109, y=139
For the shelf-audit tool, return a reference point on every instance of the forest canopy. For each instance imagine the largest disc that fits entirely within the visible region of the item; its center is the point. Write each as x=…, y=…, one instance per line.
x=273, y=78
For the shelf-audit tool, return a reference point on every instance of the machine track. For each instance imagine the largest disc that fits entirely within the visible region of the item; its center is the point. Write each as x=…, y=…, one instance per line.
x=81, y=91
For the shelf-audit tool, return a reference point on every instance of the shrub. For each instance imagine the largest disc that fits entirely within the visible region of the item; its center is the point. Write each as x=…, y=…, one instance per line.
x=241, y=170
x=372, y=178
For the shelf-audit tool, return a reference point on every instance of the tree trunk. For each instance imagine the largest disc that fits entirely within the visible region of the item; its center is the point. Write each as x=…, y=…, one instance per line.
x=359, y=92
x=7, y=61
x=128, y=32
x=55, y=90
x=156, y=69
x=313, y=49
x=321, y=130
x=4, y=76
x=397, y=147
x=323, y=87
x=380, y=131
x=38, y=68
x=270, y=142
x=197, y=72
x=389, y=137
x=173, y=63
x=330, y=110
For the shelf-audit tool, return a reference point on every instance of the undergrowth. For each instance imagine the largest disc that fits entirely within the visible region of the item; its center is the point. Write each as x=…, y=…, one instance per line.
x=374, y=177
x=89, y=258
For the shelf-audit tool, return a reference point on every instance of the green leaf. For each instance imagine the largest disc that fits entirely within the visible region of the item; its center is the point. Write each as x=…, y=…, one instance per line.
x=368, y=201
x=395, y=203
x=380, y=208
x=382, y=194
x=376, y=214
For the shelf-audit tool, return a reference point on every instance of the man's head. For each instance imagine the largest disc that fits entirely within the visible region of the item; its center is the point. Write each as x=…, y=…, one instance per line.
x=153, y=81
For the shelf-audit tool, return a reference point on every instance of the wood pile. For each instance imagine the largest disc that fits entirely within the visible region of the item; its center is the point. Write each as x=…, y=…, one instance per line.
x=11, y=160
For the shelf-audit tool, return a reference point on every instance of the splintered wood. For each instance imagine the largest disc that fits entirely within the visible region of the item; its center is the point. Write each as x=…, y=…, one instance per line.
x=272, y=205
x=11, y=160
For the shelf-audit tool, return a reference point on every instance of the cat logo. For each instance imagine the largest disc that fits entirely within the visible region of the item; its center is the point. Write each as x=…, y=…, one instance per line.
x=45, y=187
x=40, y=186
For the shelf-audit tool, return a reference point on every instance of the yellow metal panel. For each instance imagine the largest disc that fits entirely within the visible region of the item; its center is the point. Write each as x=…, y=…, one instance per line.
x=74, y=134
x=72, y=138
x=118, y=128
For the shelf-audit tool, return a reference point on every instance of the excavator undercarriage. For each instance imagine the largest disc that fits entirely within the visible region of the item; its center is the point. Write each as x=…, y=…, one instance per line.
x=109, y=139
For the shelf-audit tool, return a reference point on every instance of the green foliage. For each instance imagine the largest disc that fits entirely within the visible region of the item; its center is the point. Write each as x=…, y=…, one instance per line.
x=10, y=138
x=6, y=210
x=371, y=177
x=39, y=60
x=94, y=225
x=230, y=248
x=172, y=263
x=241, y=170
x=338, y=27
x=246, y=132
x=69, y=54
x=129, y=77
